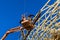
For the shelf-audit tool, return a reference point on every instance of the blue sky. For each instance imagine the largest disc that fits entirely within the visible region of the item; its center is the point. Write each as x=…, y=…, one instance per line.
x=11, y=11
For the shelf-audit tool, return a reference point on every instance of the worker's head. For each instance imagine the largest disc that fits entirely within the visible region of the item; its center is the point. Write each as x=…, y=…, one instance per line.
x=23, y=18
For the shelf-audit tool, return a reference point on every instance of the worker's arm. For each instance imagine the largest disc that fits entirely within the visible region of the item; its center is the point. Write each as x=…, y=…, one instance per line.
x=11, y=31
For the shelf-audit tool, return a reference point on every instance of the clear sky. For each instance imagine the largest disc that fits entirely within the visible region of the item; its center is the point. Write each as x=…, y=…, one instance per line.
x=11, y=11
